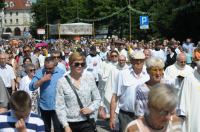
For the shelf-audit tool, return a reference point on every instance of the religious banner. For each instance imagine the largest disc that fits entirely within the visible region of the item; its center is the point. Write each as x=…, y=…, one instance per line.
x=71, y=29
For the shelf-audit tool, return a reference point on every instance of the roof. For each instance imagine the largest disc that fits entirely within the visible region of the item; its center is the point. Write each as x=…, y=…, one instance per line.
x=17, y=4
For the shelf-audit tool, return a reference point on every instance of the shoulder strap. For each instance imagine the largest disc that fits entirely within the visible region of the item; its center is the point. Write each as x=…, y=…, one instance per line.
x=73, y=88
x=78, y=99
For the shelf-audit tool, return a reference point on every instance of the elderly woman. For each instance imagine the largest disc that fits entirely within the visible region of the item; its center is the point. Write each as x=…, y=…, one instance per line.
x=73, y=116
x=162, y=103
x=154, y=68
x=24, y=85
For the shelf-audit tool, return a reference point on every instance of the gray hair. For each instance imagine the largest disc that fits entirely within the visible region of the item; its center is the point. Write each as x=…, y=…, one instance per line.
x=163, y=97
x=28, y=66
x=154, y=62
x=180, y=55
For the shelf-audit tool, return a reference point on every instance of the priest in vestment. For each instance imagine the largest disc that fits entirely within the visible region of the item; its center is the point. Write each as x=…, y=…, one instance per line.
x=189, y=103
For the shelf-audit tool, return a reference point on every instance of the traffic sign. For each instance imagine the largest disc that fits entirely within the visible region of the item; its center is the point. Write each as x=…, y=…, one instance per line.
x=144, y=22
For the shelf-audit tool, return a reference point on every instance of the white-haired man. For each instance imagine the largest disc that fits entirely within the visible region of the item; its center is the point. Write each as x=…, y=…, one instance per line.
x=189, y=107
x=178, y=70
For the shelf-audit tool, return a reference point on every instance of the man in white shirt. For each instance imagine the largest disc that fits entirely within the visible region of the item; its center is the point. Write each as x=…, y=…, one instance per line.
x=125, y=90
x=178, y=70
x=7, y=74
x=93, y=61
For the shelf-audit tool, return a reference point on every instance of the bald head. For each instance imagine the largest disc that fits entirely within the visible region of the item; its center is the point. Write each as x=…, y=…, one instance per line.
x=3, y=59
x=181, y=60
x=147, y=53
x=121, y=60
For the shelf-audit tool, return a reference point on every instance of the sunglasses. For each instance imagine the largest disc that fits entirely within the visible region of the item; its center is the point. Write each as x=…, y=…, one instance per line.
x=26, y=50
x=77, y=64
x=32, y=70
x=56, y=57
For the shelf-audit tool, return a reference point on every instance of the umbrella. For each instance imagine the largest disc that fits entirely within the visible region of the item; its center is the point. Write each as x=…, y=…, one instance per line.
x=42, y=44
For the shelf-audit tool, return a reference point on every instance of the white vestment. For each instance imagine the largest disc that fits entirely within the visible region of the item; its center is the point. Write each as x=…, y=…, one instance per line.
x=174, y=70
x=189, y=105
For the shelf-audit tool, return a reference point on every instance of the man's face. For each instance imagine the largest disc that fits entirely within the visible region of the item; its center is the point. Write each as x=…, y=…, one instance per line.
x=122, y=61
x=114, y=57
x=3, y=60
x=56, y=57
x=181, y=62
x=137, y=64
x=49, y=67
x=27, y=51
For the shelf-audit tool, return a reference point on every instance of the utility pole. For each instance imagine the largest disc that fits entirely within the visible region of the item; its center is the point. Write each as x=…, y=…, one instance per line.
x=130, y=25
x=47, y=23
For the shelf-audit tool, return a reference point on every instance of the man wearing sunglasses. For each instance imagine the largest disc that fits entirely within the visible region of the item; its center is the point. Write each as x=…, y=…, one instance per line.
x=27, y=53
x=57, y=57
x=46, y=79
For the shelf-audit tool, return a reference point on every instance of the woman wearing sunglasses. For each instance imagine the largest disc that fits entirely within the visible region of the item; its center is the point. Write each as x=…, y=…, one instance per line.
x=24, y=85
x=162, y=101
x=71, y=115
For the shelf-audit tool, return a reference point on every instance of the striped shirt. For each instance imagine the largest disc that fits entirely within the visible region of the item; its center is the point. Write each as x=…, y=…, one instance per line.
x=8, y=120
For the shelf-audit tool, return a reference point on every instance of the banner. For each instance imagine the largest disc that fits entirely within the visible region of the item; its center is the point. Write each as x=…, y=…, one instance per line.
x=40, y=31
x=71, y=29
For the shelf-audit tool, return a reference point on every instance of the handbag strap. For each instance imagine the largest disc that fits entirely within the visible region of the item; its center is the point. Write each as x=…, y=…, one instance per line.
x=73, y=88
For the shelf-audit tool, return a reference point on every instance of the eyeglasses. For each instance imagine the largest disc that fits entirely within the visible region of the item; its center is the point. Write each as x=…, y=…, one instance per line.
x=32, y=70
x=26, y=50
x=77, y=64
x=49, y=68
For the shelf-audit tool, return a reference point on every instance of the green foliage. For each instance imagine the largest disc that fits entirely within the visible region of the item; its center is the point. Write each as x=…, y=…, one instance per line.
x=168, y=20
x=2, y=5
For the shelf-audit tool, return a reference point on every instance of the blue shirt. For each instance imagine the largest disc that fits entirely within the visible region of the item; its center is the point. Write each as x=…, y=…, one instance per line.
x=47, y=89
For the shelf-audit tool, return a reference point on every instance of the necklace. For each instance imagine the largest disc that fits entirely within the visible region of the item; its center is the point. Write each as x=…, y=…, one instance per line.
x=149, y=124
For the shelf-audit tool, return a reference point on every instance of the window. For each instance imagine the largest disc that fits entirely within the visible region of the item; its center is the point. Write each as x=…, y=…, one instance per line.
x=10, y=13
x=16, y=13
x=10, y=21
x=5, y=21
x=17, y=21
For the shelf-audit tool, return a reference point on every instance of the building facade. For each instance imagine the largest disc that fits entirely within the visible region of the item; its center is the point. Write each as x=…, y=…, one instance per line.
x=16, y=17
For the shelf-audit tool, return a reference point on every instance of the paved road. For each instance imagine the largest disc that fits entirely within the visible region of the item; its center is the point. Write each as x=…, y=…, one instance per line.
x=103, y=126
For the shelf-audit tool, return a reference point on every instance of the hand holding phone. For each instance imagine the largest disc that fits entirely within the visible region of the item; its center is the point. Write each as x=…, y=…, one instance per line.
x=46, y=77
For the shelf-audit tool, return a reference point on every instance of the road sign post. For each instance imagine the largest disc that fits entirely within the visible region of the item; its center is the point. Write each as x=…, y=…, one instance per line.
x=144, y=22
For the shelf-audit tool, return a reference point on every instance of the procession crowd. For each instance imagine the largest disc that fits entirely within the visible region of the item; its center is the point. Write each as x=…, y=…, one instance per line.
x=67, y=85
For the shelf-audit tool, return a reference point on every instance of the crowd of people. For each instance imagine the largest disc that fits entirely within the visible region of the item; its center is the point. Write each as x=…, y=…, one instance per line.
x=69, y=85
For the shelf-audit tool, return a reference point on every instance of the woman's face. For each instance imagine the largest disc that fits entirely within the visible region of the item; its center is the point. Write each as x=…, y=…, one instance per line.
x=28, y=61
x=160, y=118
x=155, y=73
x=31, y=71
x=78, y=66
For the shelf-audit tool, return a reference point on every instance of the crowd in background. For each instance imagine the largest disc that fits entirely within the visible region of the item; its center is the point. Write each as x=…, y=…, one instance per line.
x=113, y=78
